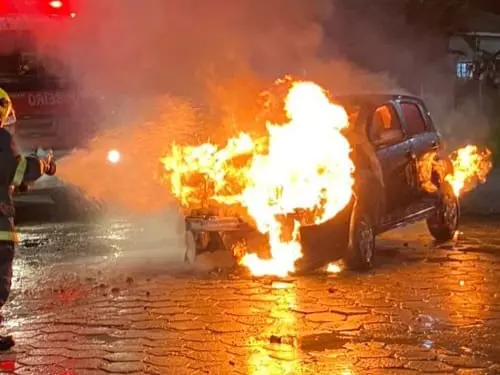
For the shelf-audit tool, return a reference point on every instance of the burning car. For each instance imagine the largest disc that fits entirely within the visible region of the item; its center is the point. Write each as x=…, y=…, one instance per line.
x=321, y=186
x=47, y=103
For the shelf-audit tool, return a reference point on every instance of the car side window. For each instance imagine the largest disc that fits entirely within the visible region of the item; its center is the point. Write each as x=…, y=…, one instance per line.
x=385, y=127
x=415, y=122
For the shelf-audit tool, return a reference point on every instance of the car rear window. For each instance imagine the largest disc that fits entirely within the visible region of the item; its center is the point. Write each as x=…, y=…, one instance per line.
x=415, y=122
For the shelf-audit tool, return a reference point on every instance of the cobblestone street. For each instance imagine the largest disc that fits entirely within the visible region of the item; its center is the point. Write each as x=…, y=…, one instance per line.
x=86, y=307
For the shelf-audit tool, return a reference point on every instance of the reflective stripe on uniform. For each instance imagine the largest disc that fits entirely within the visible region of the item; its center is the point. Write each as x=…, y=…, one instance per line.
x=20, y=171
x=9, y=236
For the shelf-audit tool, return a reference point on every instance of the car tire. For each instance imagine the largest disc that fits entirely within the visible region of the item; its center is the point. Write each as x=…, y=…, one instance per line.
x=443, y=224
x=361, y=249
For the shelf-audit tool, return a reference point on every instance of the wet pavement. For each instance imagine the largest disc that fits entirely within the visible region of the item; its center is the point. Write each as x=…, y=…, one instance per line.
x=112, y=297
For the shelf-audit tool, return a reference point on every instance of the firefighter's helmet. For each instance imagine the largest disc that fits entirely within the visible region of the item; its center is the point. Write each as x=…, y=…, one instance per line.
x=7, y=113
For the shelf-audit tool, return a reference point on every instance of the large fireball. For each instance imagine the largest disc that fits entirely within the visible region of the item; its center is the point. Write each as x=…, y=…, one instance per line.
x=307, y=167
x=300, y=169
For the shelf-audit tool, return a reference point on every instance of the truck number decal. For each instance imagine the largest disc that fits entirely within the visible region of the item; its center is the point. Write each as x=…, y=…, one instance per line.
x=42, y=99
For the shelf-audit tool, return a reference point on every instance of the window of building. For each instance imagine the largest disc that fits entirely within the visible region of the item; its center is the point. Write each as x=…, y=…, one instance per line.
x=464, y=70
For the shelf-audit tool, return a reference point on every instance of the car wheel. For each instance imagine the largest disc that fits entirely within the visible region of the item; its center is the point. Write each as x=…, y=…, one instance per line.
x=361, y=248
x=443, y=224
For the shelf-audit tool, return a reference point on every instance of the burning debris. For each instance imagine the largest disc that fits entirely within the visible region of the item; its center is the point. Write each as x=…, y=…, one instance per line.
x=469, y=166
x=299, y=173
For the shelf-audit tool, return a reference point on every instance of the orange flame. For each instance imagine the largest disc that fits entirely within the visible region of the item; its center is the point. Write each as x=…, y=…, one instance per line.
x=307, y=167
x=300, y=167
x=193, y=166
x=470, y=166
x=334, y=268
x=463, y=169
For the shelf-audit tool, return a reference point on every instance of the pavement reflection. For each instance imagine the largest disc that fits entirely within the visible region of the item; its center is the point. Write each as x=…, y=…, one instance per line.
x=106, y=298
x=275, y=352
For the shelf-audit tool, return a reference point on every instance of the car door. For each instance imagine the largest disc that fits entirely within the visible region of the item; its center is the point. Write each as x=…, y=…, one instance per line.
x=387, y=134
x=421, y=134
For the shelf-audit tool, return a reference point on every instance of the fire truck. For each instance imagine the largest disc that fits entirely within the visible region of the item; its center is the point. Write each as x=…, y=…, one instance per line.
x=47, y=102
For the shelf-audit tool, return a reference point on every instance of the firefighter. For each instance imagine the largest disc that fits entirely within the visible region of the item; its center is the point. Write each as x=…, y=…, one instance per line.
x=16, y=172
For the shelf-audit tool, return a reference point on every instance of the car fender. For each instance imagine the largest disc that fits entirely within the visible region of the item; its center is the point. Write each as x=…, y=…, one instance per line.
x=369, y=194
x=442, y=167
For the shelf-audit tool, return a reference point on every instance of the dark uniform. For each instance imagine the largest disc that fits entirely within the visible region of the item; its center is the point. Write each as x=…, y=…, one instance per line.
x=16, y=172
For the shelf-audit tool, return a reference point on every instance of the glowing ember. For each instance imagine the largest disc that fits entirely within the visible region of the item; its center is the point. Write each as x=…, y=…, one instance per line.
x=334, y=268
x=300, y=173
x=114, y=156
x=471, y=166
x=192, y=168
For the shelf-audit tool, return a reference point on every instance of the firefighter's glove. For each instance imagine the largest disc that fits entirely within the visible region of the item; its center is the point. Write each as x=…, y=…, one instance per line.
x=49, y=164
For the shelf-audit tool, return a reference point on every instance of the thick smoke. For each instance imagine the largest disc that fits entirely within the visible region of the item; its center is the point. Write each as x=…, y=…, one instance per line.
x=187, y=71
x=122, y=48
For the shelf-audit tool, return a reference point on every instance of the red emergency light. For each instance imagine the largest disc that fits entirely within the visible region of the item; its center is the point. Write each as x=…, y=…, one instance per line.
x=58, y=8
x=56, y=4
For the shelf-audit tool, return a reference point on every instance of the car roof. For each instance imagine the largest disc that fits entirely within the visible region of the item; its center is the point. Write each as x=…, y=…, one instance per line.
x=368, y=102
x=377, y=97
